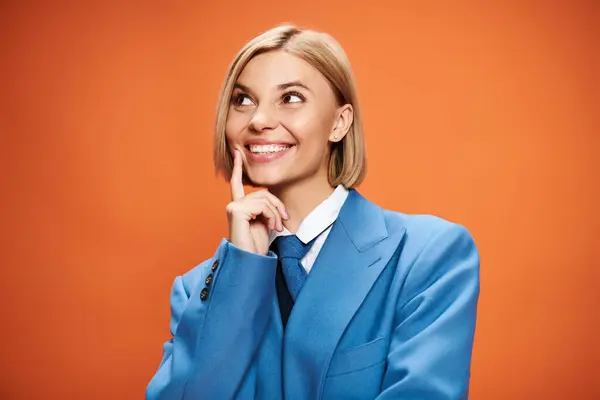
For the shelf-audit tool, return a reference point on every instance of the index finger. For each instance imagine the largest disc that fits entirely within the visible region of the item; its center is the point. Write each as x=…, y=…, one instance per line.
x=237, y=187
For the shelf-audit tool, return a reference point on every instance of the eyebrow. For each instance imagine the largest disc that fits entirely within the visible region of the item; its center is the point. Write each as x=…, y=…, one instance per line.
x=282, y=86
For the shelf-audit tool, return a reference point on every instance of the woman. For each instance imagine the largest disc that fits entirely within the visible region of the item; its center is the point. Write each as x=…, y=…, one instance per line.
x=359, y=303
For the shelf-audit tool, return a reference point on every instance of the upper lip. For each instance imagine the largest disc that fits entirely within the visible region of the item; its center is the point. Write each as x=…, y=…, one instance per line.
x=262, y=142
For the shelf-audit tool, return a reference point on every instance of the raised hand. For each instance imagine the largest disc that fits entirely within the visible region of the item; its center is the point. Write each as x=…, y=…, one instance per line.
x=252, y=217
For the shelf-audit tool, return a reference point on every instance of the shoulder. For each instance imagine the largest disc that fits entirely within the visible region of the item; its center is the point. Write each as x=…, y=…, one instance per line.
x=423, y=230
x=433, y=249
x=419, y=225
x=364, y=218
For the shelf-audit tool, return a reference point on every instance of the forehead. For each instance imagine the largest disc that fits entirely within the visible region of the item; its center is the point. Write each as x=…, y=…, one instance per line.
x=268, y=70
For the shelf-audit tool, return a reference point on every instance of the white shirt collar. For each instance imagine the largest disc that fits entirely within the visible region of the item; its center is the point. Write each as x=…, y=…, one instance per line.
x=321, y=218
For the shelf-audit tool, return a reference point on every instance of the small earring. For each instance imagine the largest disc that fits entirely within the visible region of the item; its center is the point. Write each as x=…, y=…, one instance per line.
x=335, y=137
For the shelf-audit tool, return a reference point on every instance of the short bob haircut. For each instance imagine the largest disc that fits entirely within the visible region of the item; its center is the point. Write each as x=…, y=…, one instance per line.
x=347, y=161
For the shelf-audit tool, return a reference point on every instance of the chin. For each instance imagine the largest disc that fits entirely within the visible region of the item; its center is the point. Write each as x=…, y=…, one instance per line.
x=273, y=176
x=267, y=180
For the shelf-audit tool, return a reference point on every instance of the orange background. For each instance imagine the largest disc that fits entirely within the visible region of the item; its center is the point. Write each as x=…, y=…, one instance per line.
x=482, y=114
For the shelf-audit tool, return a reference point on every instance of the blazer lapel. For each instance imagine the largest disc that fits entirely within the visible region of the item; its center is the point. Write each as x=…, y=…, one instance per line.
x=356, y=251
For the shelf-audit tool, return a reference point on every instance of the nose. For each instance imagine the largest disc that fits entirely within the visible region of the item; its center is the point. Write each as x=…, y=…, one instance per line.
x=264, y=119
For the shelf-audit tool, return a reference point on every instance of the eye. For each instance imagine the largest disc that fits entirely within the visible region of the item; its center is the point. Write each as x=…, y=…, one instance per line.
x=293, y=97
x=241, y=100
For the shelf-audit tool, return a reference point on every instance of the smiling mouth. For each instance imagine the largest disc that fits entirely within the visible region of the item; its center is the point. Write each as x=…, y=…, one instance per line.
x=267, y=149
x=267, y=153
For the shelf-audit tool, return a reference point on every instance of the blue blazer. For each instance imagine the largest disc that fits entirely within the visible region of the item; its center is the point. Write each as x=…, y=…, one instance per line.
x=387, y=312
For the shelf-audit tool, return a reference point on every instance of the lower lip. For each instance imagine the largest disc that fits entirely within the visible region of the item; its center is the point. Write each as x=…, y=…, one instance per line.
x=261, y=158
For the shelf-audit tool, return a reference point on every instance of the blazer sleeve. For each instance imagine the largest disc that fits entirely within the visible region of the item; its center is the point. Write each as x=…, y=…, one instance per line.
x=430, y=350
x=216, y=334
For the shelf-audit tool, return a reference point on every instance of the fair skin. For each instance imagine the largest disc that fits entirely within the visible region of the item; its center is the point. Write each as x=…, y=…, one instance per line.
x=282, y=121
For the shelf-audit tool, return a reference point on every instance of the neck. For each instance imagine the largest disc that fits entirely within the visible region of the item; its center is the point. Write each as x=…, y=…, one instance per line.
x=301, y=198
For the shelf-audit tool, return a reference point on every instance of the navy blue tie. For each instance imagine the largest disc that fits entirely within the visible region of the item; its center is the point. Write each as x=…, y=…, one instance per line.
x=291, y=250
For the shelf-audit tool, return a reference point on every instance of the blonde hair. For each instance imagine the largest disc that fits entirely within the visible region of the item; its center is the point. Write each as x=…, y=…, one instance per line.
x=347, y=160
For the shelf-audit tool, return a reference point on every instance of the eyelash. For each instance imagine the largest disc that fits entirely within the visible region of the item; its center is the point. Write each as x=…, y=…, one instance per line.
x=292, y=93
x=238, y=99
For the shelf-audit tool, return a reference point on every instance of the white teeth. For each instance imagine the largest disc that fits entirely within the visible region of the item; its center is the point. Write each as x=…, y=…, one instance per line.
x=269, y=148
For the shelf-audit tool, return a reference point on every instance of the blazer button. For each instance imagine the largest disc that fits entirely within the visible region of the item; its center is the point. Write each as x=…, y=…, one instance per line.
x=215, y=265
x=209, y=279
x=204, y=294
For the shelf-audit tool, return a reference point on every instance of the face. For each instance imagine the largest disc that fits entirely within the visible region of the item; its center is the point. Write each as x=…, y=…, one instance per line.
x=283, y=116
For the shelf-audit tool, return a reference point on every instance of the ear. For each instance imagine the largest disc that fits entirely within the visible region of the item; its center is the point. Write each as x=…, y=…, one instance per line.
x=343, y=122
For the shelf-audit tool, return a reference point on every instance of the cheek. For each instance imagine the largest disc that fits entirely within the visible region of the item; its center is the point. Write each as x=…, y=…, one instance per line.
x=309, y=129
x=236, y=123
